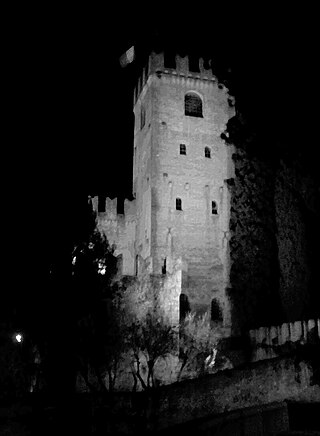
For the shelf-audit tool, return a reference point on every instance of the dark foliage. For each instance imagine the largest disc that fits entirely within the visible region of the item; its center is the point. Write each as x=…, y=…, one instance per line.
x=274, y=207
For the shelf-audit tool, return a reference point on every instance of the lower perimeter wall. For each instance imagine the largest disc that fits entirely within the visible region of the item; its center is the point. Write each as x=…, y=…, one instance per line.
x=262, y=383
x=259, y=384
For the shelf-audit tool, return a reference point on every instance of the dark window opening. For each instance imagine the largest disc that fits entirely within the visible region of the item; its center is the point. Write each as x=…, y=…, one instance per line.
x=178, y=204
x=142, y=117
x=184, y=306
x=206, y=63
x=193, y=105
x=120, y=206
x=216, y=313
x=101, y=203
x=169, y=60
x=164, y=266
x=207, y=152
x=183, y=149
x=194, y=64
x=214, y=208
x=137, y=265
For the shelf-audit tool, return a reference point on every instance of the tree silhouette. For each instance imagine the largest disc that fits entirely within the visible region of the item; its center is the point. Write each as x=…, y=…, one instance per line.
x=98, y=328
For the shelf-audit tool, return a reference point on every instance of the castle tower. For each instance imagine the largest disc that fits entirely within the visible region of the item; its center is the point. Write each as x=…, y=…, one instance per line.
x=180, y=169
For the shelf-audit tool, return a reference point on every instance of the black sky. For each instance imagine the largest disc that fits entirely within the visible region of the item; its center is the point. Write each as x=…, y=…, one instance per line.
x=68, y=103
x=71, y=102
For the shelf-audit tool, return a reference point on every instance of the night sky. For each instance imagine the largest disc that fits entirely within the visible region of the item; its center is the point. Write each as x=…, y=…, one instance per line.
x=69, y=107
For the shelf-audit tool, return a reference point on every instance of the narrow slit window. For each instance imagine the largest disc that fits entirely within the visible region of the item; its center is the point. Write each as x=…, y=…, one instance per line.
x=214, y=208
x=207, y=152
x=178, y=204
x=183, y=149
x=164, y=266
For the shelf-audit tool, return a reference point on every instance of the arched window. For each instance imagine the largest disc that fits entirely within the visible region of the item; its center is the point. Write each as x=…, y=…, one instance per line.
x=207, y=152
x=184, y=306
x=193, y=105
x=178, y=204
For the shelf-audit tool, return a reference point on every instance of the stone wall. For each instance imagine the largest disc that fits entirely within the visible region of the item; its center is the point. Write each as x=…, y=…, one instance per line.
x=262, y=383
x=119, y=229
x=262, y=386
x=193, y=234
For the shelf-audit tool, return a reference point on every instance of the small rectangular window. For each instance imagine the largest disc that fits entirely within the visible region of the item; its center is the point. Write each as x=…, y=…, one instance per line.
x=183, y=149
x=178, y=204
x=207, y=152
x=214, y=208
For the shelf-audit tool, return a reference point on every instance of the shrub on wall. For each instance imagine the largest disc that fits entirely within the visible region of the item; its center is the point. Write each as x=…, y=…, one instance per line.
x=254, y=275
x=275, y=206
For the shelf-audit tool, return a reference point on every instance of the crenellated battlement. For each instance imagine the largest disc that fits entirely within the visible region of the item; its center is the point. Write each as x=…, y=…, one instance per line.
x=119, y=228
x=267, y=342
x=130, y=210
x=180, y=65
x=107, y=210
x=191, y=68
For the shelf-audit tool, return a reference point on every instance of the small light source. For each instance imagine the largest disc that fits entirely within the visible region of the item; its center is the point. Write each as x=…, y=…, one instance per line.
x=102, y=268
x=18, y=337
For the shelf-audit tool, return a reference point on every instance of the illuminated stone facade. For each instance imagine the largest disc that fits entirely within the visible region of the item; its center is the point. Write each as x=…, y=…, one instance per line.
x=180, y=215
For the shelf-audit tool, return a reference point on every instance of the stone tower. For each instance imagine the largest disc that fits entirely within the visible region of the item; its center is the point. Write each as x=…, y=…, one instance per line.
x=180, y=169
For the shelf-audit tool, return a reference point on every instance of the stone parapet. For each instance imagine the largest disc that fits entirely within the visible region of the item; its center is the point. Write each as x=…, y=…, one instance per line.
x=266, y=341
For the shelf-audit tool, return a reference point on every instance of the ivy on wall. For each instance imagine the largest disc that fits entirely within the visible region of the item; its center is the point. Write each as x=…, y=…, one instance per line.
x=274, y=207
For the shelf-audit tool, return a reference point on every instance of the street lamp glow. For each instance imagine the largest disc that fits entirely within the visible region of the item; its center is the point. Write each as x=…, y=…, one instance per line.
x=18, y=337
